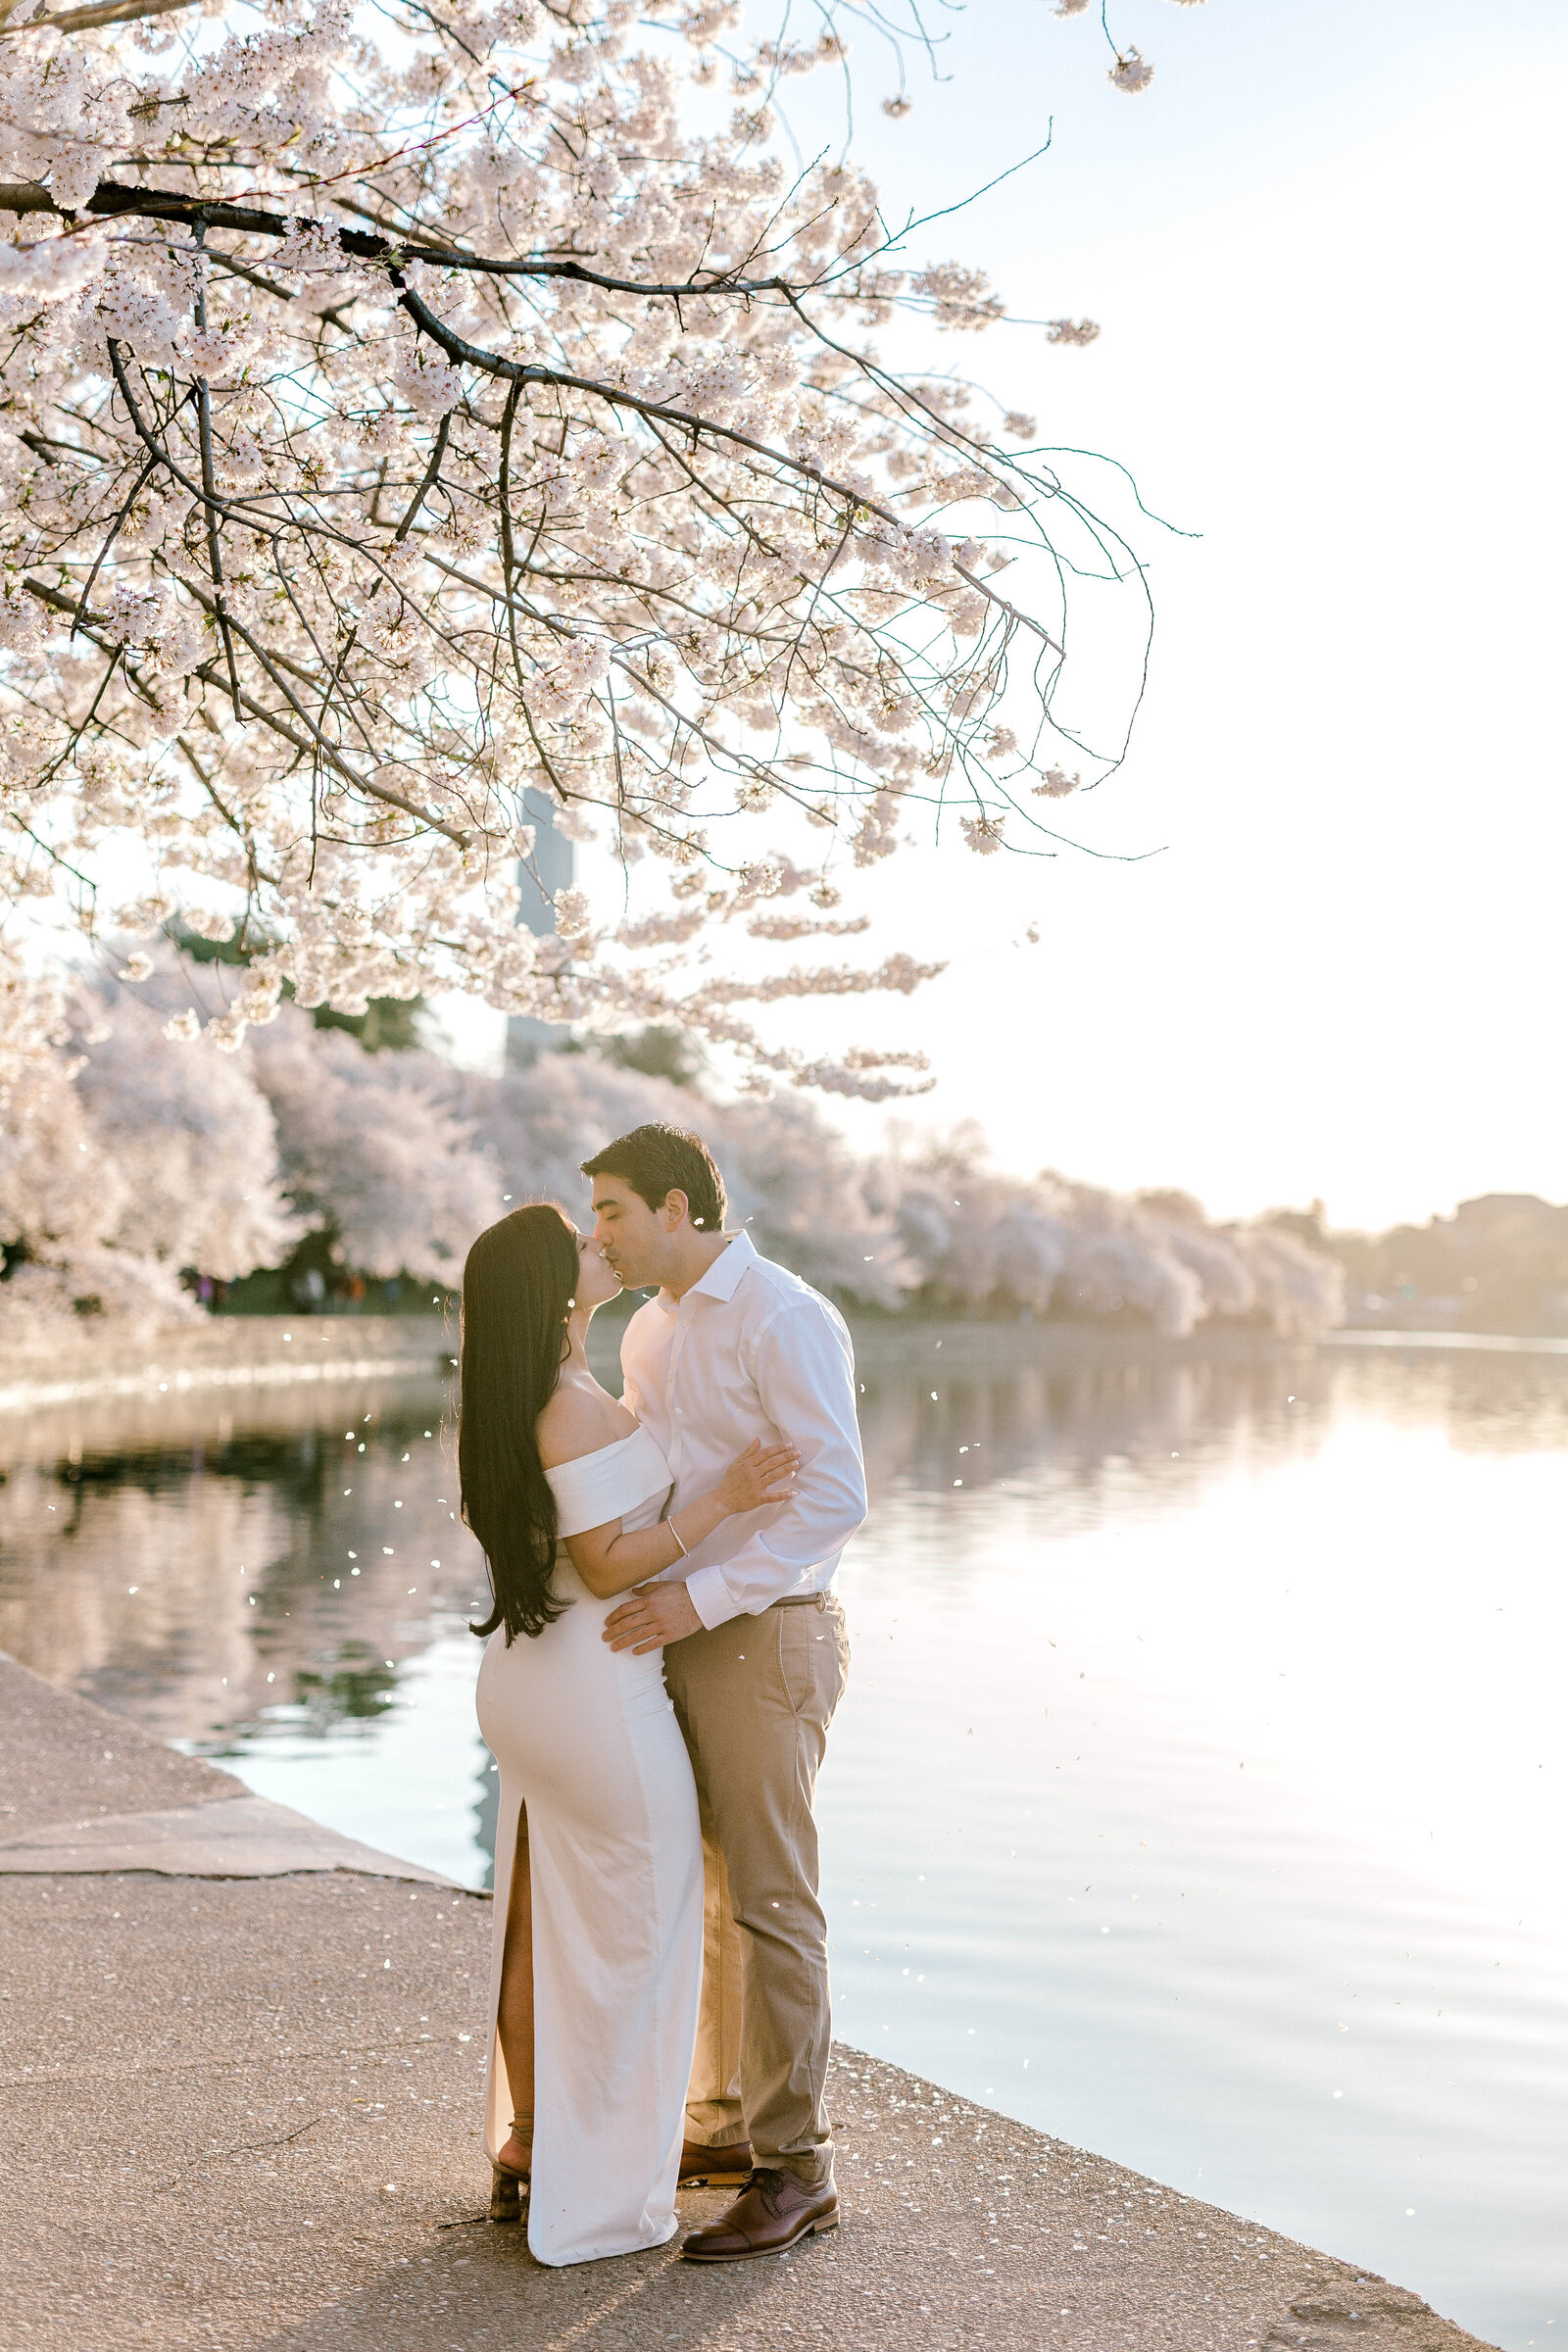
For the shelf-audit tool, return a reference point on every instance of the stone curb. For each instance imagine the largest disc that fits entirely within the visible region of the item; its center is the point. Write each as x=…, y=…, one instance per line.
x=230, y=1837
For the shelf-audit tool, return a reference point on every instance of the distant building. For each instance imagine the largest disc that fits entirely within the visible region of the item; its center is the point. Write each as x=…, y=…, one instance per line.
x=552, y=864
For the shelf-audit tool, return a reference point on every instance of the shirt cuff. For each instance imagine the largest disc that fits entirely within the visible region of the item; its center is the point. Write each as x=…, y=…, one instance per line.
x=710, y=1596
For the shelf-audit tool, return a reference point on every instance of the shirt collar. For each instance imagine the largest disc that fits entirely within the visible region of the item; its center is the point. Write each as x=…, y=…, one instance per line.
x=723, y=1277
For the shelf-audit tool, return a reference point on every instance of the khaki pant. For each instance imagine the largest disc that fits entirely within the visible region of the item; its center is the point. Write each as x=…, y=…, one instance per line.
x=755, y=1699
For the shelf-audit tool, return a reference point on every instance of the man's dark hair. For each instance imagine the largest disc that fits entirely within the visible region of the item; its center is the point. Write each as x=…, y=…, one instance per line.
x=658, y=1159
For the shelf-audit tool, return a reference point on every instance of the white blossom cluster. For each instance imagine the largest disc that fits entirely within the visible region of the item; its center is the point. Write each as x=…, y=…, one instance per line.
x=408, y=410
x=1131, y=73
x=144, y=1159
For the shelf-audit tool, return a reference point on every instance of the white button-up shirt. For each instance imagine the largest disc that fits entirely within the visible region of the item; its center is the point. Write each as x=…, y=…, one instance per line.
x=751, y=1352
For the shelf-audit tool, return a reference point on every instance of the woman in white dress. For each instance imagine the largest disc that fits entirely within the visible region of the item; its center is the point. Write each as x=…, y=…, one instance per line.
x=598, y=1948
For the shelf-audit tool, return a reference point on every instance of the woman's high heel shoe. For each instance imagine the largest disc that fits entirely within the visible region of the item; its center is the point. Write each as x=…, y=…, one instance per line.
x=509, y=2189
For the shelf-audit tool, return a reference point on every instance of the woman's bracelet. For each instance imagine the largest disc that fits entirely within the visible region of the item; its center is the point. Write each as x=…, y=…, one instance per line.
x=675, y=1532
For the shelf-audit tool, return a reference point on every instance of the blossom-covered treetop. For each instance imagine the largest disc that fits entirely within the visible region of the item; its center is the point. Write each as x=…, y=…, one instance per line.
x=413, y=411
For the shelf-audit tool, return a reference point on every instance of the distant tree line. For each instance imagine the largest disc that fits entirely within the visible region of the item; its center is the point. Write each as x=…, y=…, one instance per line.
x=341, y=1163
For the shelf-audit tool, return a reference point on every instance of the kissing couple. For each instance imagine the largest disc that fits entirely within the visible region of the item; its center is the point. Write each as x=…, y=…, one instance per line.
x=665, y=1656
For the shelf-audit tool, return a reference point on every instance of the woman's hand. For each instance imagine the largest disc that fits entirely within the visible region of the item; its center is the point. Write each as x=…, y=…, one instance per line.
x=761, y=1473
x=612, y=1559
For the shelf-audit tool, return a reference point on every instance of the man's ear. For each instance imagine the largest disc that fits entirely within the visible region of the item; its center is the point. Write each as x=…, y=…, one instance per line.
x=676, y=1207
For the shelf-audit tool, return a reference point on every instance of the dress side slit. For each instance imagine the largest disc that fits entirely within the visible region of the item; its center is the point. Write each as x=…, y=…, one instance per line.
x=515, y=2011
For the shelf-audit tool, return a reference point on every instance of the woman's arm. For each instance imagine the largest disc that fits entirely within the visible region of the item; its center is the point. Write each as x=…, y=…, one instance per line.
x=610, y=1560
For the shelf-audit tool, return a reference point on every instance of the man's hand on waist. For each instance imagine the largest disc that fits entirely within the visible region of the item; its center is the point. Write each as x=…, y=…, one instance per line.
x=650, y=1617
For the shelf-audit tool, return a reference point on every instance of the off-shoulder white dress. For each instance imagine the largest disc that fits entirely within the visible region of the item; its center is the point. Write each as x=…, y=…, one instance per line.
x=586, y=1739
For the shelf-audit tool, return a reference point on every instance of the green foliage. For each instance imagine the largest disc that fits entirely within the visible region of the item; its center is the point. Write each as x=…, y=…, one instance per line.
x=658, y=1053
x=388, y=1025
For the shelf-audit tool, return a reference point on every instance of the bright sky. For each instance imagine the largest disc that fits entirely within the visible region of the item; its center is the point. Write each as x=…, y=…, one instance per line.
x=1324, y=249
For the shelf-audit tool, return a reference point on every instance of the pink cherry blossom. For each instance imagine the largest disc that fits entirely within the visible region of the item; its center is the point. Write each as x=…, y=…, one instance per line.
x=399, y=428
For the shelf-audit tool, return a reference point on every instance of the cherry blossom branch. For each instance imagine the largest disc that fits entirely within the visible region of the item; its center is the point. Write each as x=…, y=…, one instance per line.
x=83, y=19
x=545, y=471
x=431, y=475
x=114, y=200
x=516, y=371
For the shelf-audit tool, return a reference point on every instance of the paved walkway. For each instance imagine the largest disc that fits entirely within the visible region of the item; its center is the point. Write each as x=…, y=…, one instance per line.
x=244, y=2111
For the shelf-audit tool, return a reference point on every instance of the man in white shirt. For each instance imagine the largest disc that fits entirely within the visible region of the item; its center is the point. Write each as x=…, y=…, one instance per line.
x=735, y=1347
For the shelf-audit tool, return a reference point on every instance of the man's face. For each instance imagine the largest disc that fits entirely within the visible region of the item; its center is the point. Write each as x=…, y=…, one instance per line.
x=633, y=1236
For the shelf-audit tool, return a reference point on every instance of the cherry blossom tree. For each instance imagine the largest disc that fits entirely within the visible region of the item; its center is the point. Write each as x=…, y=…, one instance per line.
x=543, y=1120
x=124, y=1160
x=374, y=1151
x=407, y=409
x=191, y=1144
x=982, y=1240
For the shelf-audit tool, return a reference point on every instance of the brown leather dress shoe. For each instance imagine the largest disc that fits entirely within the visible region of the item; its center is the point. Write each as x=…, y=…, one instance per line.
x=773, y=2212
x=715, y=2168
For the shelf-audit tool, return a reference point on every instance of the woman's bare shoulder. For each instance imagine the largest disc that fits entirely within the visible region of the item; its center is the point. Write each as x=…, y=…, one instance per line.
x=580, y=1419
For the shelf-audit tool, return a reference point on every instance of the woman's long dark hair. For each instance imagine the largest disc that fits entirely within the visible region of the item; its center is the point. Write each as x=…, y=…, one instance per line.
x=518, y=1289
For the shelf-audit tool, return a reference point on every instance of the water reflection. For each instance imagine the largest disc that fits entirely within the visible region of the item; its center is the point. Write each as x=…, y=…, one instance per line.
x=198, y=1583
x=1197, y=1794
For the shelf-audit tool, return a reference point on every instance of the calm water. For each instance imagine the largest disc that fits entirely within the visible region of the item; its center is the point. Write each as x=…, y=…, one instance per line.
x=1199, y=1790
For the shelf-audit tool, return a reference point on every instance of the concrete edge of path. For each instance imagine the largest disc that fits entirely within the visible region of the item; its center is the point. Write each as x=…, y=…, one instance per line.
x=135, y=1804
x=229, y=1837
